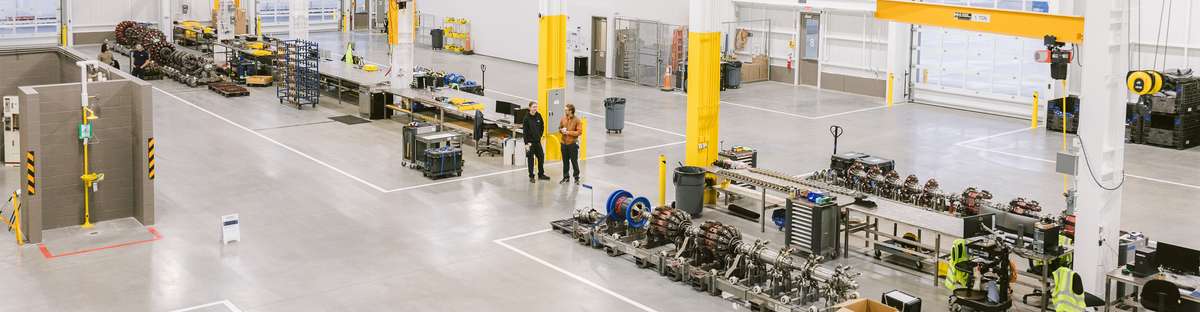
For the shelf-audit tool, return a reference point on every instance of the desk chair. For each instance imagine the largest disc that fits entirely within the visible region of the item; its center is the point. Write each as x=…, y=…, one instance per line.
x=1160, y=295
x=483, y=141
x=1037, y=270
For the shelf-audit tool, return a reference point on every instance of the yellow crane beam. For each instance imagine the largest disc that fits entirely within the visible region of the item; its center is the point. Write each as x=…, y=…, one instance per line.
x=1065, y=28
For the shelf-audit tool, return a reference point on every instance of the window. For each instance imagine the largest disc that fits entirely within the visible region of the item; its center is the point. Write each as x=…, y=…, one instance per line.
x=977, y=64
x=275, y=12
x=28, y=18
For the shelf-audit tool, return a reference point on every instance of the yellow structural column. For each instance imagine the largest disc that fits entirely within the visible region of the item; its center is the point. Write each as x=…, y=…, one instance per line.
x=704, y=84
x=704, y=87
x=552, y=70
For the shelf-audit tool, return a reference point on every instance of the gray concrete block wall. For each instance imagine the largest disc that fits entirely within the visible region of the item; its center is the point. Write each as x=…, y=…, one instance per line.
x=28, y=70
x=111, y=154
x=50, y=117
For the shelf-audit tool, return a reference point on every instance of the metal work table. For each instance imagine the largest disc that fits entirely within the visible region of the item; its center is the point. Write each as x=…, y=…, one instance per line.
x=347, y=78
x=1044, y=278
x=1137, y=282
x=428, y=98
x=924, y=221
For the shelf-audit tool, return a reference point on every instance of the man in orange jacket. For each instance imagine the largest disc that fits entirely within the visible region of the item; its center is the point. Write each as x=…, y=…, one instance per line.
x=570, y=128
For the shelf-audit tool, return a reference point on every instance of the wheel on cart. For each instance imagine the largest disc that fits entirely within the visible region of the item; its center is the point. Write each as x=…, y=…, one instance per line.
x=878, y=254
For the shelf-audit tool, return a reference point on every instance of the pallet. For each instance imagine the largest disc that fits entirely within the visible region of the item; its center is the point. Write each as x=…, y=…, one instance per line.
x=228, y=89
x=1184, y=139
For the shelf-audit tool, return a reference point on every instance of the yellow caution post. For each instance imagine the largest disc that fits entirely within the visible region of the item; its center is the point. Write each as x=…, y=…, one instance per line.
x=662, y=180
x=1033, y=119
x=890, y=87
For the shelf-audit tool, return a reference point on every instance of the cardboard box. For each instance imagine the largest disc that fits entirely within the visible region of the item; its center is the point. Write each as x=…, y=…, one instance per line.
x=864, y=305
x=756, y=69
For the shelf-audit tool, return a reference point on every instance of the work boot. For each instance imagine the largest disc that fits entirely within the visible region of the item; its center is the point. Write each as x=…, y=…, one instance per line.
x=544, y=177
x=531, y=180
x=564, y=181
x=576, y=180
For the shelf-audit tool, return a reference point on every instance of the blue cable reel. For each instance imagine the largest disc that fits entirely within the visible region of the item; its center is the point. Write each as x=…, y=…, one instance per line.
x=620, y=208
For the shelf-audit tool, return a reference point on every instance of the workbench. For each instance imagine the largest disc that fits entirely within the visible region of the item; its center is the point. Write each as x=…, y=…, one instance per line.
x=1119, y=276
x=428, y=98
x=345, y=78
x=926, y=222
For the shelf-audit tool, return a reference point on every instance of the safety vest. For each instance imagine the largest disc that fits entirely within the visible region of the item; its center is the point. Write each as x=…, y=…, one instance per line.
x=954, y=278
x=1065, y=299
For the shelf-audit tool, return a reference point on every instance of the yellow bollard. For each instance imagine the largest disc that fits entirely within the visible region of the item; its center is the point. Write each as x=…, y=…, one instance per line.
x=662, y=180
x=1033, y=121
x=582, y=140
x=890, y=86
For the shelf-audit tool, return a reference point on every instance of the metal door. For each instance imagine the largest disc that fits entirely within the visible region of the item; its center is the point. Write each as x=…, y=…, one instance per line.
x=599, y=44
x=649, y=58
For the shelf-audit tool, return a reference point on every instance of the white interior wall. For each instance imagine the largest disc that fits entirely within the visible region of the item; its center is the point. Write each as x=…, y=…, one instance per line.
x=508, y=29
x=99, y=16
x=1178, y=43
x=855, y=43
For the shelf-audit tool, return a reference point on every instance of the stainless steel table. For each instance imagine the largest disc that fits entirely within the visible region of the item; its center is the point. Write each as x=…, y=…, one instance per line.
x=940, y=225
x=1137, y=282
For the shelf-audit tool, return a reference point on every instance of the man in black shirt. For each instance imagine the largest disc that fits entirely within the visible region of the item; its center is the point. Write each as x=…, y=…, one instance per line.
x=532, y=129
x=140, y=57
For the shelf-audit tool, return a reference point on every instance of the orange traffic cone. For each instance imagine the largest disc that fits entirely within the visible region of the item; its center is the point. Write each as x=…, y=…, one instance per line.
x=666, y=81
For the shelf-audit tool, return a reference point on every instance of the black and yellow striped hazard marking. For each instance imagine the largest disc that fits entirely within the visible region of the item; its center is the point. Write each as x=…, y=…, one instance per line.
x=30, y=174
x=150, y=157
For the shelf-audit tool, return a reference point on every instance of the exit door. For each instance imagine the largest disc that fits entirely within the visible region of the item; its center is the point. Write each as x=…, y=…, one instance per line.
x=810, y=48
x=599, y=44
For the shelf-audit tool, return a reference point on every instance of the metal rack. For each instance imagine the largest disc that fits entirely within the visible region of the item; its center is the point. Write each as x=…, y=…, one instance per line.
x=298, y=76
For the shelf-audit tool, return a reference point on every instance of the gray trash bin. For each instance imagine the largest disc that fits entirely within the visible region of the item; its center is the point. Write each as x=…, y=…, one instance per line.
x=689, y=189
x=614, y=114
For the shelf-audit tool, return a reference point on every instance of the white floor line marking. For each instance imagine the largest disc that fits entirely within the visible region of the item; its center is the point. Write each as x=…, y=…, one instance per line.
x=523, y=235
x=1162, y=181
x=767, y=110
x=523, y=168
x=636, y=124
x=226, y=303
x=596, y=115
x=577, y=277
x=285, y=146
x=1051, y=161
x=996, y=135
x=857, y=111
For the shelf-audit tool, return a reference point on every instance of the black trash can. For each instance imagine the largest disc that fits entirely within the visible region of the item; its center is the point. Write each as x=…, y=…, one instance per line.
x=689, y=189
x=581, y=66
x=731, y=75
x=437, y=34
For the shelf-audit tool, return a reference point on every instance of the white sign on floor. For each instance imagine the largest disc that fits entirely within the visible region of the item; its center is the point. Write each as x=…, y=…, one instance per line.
x=230, y=228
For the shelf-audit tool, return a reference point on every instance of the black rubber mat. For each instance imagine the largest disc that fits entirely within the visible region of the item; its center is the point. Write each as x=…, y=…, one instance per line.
x=349, y=120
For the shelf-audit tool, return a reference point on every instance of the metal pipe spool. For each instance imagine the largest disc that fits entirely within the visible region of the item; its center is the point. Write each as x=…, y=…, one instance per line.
x=588, y=217
x=623, y=207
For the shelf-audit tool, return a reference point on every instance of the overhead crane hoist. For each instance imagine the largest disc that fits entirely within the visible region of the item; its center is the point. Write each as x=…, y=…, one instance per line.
x=1100, y=130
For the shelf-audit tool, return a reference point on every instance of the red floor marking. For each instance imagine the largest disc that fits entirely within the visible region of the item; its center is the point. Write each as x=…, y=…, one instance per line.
x=46, y=252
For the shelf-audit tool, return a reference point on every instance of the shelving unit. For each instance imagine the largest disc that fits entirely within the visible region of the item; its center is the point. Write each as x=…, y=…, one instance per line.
x=298, y=76
x=458, y=35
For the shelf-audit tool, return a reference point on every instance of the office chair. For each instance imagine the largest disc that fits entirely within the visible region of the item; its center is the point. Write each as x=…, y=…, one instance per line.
x=1160, y=295
x=483, y=142
x=1037, y=270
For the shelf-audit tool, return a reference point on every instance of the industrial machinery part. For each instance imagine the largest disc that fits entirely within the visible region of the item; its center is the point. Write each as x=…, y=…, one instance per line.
x=713, y=257
x=626, y=212
x=667, y=226
x=187, y=67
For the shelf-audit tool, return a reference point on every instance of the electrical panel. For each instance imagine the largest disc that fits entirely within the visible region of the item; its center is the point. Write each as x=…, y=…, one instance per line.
x=556, y=103
x=12, y=127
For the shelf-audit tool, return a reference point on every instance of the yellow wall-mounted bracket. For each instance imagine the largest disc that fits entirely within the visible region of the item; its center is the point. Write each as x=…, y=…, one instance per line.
x=1065, y=28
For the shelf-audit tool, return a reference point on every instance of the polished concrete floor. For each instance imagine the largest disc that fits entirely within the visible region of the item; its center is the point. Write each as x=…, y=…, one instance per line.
x=331, y=222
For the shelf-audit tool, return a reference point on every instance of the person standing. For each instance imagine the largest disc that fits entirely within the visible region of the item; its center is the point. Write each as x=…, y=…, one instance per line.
x=532, y=130
x=570, y=128
x=140, y=58
x=106, y=56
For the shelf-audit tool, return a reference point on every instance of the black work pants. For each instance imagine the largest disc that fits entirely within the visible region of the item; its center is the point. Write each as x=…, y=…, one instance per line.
x=535, y=151
x=570, y=158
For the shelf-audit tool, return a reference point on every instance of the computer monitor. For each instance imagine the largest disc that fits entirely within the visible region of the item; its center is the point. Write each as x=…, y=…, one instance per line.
x=978, y=225
x=1178, y=259
x=520, y=115
x=503, y=107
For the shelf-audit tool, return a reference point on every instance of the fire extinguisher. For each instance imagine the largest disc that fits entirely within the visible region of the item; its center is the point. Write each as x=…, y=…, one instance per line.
x=789, y=61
